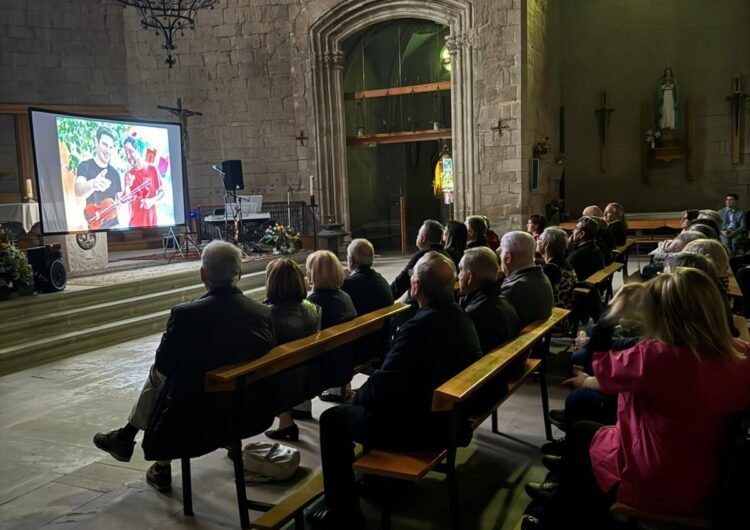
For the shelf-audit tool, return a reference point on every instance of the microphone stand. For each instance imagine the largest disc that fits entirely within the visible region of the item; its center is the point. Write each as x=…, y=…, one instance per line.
x=226, y=199
x=289, y=191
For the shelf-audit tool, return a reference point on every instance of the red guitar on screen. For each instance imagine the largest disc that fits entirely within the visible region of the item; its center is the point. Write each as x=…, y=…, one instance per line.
x=97, y=214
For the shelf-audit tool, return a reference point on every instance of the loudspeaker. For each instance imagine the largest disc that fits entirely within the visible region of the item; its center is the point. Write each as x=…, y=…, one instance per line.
x=49, y=271
x=233, y=174
x=534, y=174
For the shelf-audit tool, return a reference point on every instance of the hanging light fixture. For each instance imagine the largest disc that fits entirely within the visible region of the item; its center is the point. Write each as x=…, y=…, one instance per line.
x=168, y=17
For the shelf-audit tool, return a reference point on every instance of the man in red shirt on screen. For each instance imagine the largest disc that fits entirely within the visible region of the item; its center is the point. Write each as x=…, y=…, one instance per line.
x=143, y=182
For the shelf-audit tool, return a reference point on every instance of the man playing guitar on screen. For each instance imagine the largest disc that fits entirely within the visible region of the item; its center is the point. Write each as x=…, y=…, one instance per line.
x=96, y=179
x=144, y=178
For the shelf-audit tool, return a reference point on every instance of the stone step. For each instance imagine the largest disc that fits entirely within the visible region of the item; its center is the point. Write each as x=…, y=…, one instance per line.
x=67, y=320
x=40, y=351
x=137, y=244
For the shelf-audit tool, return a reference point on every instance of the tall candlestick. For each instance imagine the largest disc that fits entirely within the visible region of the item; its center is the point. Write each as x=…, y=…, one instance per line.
x=312, y=185
x=736, y=84
x=29, y=189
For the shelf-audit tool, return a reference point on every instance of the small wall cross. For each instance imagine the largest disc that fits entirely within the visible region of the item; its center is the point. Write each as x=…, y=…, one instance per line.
x=301, y=137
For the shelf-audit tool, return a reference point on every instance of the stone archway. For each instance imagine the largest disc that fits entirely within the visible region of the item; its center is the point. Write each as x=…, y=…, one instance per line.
x=327, y=34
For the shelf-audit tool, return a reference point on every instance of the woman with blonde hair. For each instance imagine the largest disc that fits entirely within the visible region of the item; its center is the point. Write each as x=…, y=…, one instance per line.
x=677, y=389
x=293, y=317
x=325, y=274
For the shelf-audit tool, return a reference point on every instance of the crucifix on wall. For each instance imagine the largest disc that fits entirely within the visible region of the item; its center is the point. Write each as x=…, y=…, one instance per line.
x=182, y=115
x=602, y=119
x=737, y=100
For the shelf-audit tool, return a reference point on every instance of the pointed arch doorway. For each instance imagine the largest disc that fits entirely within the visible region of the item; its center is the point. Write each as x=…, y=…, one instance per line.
x=327, y=36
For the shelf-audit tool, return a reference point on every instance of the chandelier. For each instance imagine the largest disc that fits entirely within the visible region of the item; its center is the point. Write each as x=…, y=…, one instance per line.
x=168, y=17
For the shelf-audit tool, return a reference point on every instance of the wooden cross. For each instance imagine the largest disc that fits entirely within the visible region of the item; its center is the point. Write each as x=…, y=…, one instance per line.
x=737, y=98
x=182, y=115
x=602, y=118
x=301, y=137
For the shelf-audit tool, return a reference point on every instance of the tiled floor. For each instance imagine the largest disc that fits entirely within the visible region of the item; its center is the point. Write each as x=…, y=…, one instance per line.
x=51, y=476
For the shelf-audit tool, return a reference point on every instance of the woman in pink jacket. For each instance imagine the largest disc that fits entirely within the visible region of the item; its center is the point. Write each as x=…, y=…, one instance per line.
x=677, y=388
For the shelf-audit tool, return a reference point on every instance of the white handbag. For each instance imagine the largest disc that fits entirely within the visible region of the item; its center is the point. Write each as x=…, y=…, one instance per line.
x=269, y=462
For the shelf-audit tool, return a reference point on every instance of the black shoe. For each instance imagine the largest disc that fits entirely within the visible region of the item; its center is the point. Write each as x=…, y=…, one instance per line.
x=159, y=477
x=112, y=443
x=553, y=463
x=330, y=397
x=555, y=447
x=557, y=418
x=541, y=491
x=301, y=414
x=529, y=522
x=290, y=433
x=329, y=519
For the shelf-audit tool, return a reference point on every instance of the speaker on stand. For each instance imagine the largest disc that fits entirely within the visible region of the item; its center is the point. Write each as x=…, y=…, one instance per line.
x=232, y=170
x=49, y=270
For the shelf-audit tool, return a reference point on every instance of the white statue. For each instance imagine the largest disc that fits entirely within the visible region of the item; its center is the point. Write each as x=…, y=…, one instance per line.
x=667, y=100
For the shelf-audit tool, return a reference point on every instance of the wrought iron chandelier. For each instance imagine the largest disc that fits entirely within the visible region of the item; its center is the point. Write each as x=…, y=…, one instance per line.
x=168, y=17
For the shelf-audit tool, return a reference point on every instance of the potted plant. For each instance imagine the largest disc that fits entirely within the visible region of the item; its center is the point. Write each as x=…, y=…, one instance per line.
x=16, y=275
x=283, y=240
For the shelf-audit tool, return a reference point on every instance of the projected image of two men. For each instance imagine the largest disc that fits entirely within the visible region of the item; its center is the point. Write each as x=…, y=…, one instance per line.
x=114, y=175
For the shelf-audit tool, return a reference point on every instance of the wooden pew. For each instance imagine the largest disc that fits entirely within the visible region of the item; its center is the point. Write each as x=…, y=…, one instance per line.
x=235, y=377
x=621, y=254
x=455, y=396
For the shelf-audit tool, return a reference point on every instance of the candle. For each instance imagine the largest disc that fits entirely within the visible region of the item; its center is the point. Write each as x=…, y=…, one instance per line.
x=29, y=189
x=736, y=84
x=312, y=185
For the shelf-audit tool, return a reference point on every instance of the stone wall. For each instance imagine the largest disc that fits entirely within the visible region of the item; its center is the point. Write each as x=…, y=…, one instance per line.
x=62, y=51
x=541, y=101
x=8, y=165
x=625, y=47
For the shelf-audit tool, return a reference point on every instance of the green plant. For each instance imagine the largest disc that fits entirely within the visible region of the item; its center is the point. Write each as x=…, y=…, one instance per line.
x=16, y=275
x=281, y=239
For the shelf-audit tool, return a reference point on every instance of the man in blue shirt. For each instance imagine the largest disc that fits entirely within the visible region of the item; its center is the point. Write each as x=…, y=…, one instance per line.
x=732, y=223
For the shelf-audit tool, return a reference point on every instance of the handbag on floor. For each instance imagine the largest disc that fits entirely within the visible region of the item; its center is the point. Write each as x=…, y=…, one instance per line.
x=269, y=462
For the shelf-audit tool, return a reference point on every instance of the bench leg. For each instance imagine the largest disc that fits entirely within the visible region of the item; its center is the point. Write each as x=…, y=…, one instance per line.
x=299, y=520
x=495, y=428
x=545, y=399
x=187, y=487
x=239, y=482
x=385, y=508
x=453, y=498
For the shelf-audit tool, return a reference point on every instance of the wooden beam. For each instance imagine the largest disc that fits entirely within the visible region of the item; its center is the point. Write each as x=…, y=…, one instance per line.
x=400, y=137
x=23, y=108
x=399, y=91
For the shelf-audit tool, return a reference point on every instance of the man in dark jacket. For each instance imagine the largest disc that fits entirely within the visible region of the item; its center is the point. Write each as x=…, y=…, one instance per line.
x=476, y=231
x=393, y=408
x=494, y=318
x=525, y=285
x=429, y=237
x=367, y=288
x=584, y=255
x=222, y=327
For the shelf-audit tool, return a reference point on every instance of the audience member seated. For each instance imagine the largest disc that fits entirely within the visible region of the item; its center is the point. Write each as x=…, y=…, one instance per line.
x=493, y=240
x=525, y=285
x=716, y=252
x=535, y=225
x=687, y=216
x=393, y=408
x=429, y=238
x=494, y=318
x=677, y=389
x=711, y=214
x=614, y=215
x=369, y=292
x=659, y=256
x=551, y=246
x=454, y=239
x=233, y=328
x=604, y=239
x=476, y=228
x=293, y=317
x=326, y=276
x=705, y=226
x=583, y=253
x=732, y=223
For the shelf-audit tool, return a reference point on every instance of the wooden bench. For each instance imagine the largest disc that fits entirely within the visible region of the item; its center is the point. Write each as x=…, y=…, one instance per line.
x=581, y=294
x=234, y=377
x=621, y=254
x=454, y=396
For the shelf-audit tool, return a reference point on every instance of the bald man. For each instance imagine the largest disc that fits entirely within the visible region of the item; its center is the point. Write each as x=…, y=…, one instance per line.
x=393, y=408
x=525, y=286
x=605, y=238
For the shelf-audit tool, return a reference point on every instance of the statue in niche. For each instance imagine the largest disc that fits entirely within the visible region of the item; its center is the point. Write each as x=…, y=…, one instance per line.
x=667, y=100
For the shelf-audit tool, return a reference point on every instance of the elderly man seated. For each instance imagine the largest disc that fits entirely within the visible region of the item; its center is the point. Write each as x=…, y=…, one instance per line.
x=583, y=253
x=476, y=227
x=367, y=288
x=393, y=408
x=525, y=285
x=222, y=327
x=494, y=317
x=429, y=237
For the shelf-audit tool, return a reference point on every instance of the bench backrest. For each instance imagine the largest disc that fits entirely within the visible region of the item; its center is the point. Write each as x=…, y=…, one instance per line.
x=463, y=385
x=293, y=353
x=602, y=274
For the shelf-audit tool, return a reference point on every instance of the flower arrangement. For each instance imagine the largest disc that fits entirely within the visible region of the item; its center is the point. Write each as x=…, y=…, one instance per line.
x=283, y=240
x=16, y=275
x=652, y=137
